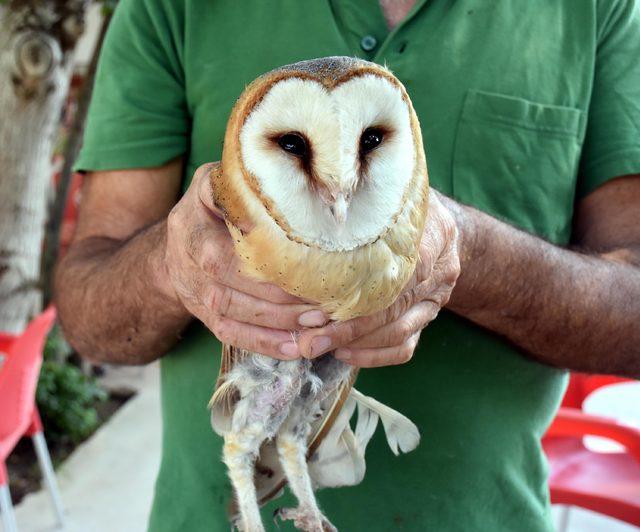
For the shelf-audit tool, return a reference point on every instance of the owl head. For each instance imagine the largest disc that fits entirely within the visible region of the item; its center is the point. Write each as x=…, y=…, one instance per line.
x=329, y=150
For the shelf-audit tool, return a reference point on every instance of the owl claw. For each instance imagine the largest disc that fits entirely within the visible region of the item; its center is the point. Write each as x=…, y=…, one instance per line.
x=304, y=519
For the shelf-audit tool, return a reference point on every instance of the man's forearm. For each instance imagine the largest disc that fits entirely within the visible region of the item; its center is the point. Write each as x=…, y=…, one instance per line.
x=115, y=301
x=565, y=308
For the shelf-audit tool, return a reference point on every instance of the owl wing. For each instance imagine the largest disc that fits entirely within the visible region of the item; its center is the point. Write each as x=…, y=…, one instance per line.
x=331, y=409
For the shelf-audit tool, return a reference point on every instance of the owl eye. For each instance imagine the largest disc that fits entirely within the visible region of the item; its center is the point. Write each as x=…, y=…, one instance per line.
x=370, y=139
x=294, y=144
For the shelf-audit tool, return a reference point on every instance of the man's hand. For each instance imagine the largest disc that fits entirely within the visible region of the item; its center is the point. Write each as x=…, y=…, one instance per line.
x=390, y=336
x=205, y=275
x=141, y=265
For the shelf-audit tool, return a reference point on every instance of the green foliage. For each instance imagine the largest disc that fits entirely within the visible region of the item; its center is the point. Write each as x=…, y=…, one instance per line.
x=108, y=6
x=56, y=347
x=66, y=397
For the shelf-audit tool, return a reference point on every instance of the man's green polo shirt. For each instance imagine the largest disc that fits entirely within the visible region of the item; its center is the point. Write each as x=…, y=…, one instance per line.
x=525, y=107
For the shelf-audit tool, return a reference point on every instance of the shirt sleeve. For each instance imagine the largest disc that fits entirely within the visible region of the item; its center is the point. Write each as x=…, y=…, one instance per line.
x=138, y=115
x=612, y=141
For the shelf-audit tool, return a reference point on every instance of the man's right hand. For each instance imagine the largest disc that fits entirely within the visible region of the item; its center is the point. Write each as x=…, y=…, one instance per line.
x=204, y=272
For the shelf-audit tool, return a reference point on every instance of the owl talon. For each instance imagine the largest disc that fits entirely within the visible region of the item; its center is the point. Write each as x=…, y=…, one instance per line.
x=304, y=520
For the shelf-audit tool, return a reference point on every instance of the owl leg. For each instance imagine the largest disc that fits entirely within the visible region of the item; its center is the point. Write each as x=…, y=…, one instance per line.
x=264, y=406
x=291, y=443
x=239, y=454
x=292, y=440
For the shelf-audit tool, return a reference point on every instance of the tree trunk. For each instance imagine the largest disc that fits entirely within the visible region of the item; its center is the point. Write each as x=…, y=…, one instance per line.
x=37, y=38
x=51, y=247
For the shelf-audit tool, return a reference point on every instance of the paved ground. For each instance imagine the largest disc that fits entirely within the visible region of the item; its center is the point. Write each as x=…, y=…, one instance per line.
x=107, y=483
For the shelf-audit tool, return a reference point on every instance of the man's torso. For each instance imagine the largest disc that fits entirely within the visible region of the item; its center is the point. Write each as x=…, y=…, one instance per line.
x=501, y=91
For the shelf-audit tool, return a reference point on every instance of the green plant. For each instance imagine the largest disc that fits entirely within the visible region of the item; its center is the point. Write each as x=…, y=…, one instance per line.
x=66, y=397
x=56, y=346
x=108, y=6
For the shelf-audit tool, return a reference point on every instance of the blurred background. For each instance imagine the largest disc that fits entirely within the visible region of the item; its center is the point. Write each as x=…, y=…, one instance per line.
x=101, y=424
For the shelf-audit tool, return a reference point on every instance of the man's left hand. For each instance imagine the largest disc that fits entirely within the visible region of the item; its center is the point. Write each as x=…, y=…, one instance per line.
x=390, y=336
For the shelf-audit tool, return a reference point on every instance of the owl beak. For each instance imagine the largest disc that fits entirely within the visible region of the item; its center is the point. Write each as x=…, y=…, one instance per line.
x=339, y=208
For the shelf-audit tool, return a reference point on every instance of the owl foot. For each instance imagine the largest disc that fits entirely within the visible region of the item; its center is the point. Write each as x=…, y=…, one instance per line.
x=237, y=526
x=304, y=519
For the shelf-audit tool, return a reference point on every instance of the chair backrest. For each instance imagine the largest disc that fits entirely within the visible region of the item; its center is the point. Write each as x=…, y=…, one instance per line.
x=582, y=384
x=19, y=374
x=6, y=339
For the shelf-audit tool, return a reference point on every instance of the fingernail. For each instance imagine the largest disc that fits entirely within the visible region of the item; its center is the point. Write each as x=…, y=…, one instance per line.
x=342, y=354
x=290, y=349
x=320, y=344
x=312, y=318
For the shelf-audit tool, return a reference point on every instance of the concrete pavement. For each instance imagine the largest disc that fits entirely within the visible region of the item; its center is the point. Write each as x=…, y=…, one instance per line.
x=107, y=483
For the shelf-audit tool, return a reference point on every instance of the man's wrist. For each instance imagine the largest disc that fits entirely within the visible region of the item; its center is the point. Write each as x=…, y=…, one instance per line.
x=158, y=267
x=467, y=220
x=466, y=223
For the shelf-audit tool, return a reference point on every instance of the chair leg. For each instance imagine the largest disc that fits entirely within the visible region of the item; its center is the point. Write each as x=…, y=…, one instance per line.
x=6, y=507
x=563, y=524
x=48, y=475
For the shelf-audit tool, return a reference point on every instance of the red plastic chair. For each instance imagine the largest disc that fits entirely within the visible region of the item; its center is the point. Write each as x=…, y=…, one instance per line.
x=18, y=412
x=606, y=483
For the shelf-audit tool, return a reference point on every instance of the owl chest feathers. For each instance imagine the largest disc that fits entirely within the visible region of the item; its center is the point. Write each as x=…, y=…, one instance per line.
x=347, y=283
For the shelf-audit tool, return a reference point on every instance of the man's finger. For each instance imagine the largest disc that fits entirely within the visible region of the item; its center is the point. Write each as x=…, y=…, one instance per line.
x=202, y=178
x=264, y=340
x=274, y=343
x=210, y=247
x=316, y=342
x=385, y=356
x=230, y=303
x=399, y=331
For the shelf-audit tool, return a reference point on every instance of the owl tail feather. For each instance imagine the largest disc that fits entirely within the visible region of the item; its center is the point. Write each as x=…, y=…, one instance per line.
x=339, y=460
x=402, y=434
x=366, y=425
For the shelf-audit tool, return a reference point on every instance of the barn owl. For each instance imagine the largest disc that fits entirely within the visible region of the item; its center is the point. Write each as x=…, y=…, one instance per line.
x=323, y=159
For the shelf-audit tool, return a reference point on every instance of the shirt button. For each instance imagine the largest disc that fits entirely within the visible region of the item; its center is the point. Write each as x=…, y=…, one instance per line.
x=368, y=43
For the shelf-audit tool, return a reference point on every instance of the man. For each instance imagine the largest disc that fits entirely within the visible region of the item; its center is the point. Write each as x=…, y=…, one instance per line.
x=530, y=112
